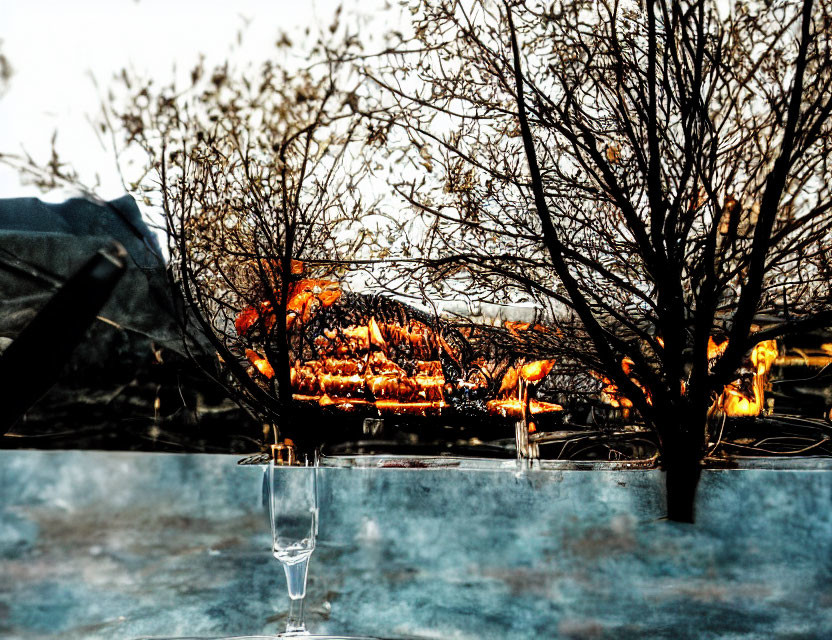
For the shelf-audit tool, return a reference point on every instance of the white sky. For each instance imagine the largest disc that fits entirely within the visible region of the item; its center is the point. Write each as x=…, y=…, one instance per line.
x=56, y=46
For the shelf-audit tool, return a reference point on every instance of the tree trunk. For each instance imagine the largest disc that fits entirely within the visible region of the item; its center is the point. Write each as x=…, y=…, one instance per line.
x=682, y=449
x=682, y=474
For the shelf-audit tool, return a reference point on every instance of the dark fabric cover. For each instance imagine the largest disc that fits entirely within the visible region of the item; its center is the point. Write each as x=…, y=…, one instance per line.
x=118, y=219
x=128, y=383
x=41, y=244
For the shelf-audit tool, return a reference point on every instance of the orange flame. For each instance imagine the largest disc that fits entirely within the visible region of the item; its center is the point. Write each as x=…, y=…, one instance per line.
x=515, y=328
x=537, y=370
x=736, y=399
x=715, y=350
x=248, y=316
x=513, y=396
x=354, y=367
x=260, y=363
x=305, y=296
x=513, y=408
x=611, y=394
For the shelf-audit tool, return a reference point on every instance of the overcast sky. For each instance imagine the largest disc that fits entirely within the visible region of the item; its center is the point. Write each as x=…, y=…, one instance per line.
x=56, y=47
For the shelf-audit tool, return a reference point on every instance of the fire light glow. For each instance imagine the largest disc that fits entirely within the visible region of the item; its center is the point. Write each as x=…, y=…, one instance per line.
x=394, y=365
x=735, y=400
x=260, y=363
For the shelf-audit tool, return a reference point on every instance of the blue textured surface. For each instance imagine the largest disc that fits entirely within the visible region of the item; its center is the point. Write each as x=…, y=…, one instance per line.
x=103, y=545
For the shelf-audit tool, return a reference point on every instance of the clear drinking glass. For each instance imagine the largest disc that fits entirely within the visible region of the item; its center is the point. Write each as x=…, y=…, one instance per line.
x=291, y=499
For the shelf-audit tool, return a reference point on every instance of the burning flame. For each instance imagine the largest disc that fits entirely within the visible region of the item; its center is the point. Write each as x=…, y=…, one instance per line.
x=359, y=365
x=715, y=350
x=738, y=399
x=611, y=394
x=513, y=399
x=513, y=408
x=249, y=316
x=355, y=366
x=305, y=298
x=260, y=363
x=537, y=370
x=516, y=328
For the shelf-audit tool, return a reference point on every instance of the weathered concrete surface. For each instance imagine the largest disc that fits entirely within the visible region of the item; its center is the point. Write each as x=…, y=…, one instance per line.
x=96, y=545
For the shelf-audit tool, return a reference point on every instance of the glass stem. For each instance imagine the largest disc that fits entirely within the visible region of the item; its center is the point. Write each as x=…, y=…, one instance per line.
x=296, y=584
x=295, y=623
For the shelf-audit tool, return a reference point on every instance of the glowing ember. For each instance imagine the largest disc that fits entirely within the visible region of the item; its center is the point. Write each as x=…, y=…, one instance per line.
x=610, y=393
x=260, y=363
x=537, y=370
x=249, y=316
x=390, y=360
x=513, y=408
x=515, y=328
x=409, y=408
x=738, y=399
x=612, y=396
x=715, y=350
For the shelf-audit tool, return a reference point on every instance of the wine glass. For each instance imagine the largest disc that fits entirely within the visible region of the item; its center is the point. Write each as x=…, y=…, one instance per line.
x=291, y=498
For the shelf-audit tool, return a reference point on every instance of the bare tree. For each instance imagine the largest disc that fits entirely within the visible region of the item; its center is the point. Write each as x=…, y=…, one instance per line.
x=652, y=172
x=258, y=176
